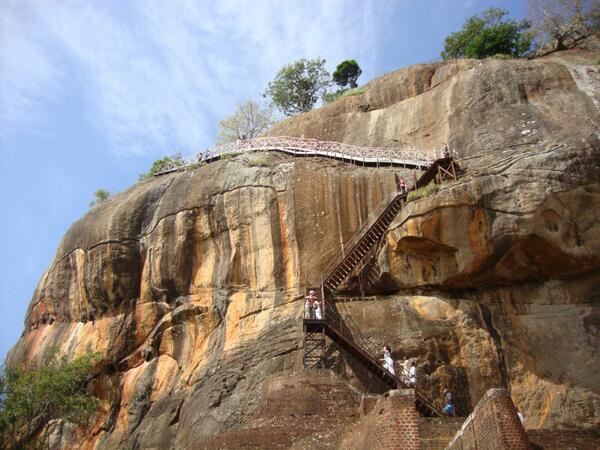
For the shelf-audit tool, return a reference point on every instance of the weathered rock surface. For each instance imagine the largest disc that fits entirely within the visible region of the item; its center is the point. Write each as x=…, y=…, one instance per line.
x=190, y=284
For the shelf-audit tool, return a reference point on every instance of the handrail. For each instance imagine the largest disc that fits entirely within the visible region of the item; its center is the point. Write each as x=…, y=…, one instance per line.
x=305, y=147
x=358, y=234
x=329, y=268
x=334, y=321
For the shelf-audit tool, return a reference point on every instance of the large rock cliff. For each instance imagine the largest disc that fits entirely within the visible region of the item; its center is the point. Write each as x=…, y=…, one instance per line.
x=191, y=284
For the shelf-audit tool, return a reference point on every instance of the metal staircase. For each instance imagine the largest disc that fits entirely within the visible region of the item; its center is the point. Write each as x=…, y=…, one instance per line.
x=354, y=255
x=353, y=342
x=356, y=250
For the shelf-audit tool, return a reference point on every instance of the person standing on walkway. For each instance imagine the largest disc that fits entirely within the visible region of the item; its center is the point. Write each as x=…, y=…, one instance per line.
x=309, y=312
x=308, y=308
x=446, y=151
x=318, y=311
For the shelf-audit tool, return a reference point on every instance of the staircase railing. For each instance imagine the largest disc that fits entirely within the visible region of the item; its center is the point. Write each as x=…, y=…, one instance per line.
x=304, y=147
x=334, y=320
x=371, y=219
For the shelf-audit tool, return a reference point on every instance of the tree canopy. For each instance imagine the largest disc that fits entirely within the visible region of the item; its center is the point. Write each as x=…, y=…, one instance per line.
x=247, y=121
x=100, y=196
x=346, y=73
x=488, y=35
x=557, y=22
x=30, y=400
x=298, y=86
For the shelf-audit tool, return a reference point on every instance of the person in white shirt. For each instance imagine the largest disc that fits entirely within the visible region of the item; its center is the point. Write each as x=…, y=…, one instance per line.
x=412, y=374
x=388, y=362
x=309, y=312
x=318, y=312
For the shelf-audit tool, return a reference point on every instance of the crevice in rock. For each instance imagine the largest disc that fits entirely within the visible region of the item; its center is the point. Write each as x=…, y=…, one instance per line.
x=486, y=317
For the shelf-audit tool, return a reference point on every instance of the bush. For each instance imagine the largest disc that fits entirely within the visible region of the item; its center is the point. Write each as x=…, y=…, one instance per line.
x=501, y=56
x=424, y=191
x=330, y=97
x=355, y=91
x=168, y=162
x=100, y=196
x=31, y=400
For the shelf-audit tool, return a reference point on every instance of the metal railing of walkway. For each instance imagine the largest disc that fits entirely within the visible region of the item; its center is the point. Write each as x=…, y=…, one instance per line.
x=367, y=156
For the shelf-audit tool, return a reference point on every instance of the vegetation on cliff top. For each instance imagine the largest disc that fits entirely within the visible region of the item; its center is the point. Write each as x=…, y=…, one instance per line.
x=487, y=35
x=100, y=196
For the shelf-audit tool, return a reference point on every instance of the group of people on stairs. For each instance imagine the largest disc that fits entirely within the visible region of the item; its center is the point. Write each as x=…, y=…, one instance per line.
x=409, y=377
x=312, y=307
x=409, y=370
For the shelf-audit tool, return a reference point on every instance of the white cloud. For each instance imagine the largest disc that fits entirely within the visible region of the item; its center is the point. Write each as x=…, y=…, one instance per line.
x=159, y=74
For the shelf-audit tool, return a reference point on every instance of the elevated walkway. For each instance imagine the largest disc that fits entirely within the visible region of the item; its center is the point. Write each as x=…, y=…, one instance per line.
x=301, y=147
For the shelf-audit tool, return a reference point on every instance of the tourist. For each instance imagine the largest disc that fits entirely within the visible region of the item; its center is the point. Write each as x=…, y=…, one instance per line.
x=402, y=185
x=388, y=362
x=308, y=308
x=446, y=151
x=449, y=409
x=309, y=311
x=412, y=374
x=317, y=309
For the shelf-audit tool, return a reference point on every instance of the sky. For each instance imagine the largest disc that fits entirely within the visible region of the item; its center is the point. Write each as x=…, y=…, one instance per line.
x=91, y=93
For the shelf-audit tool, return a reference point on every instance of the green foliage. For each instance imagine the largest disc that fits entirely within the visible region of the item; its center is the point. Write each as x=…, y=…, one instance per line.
x=99, y=196
x=226, y=156
x=346, y=73
x=330, y=97
x=297, y=87
x=30, y=400
x=168, y=162
x=431, y=188
x=247, y=121
x=355, y=91
x=488, y=35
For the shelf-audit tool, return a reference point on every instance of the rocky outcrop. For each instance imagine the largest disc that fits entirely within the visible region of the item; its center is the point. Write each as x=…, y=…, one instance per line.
x=190, y=285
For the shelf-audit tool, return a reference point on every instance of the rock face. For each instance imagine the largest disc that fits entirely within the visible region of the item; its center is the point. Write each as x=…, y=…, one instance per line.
x=191, y=284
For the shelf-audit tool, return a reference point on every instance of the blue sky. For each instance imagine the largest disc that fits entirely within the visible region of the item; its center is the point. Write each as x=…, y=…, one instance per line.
x=92, y=92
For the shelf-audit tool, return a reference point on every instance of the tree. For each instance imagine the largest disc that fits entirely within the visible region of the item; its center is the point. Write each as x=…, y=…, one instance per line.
x=247, y=121
x=488, y=35
x=100, y=196
x=562, y=21
x=31, y=400
x=298, y=86
x=346, y=73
